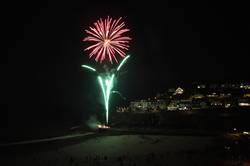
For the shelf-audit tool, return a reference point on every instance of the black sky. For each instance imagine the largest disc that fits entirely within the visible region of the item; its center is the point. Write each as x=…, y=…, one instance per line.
x=173, y=43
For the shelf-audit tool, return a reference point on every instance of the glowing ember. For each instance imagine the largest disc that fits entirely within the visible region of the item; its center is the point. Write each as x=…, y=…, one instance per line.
x=103, y=127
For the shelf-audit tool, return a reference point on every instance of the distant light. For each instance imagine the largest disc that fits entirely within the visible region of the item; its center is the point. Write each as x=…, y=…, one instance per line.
x=227, y=147
x=227, y=105
x=179, y=91
x=235, y=129
x=245, y=132
x=247, y=95
x=244, y=104
x=103, y=126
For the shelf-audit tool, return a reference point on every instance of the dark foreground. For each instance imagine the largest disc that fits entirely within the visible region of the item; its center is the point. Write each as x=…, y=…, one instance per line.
x=117, y=148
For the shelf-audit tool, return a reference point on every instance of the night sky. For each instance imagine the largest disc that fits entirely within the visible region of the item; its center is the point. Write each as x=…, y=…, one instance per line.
x=173, y=44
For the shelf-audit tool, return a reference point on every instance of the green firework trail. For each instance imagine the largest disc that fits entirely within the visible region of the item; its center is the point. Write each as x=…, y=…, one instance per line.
x=107, y=83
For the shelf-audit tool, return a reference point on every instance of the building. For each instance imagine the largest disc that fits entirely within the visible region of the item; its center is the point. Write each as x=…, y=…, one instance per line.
x=148, y=105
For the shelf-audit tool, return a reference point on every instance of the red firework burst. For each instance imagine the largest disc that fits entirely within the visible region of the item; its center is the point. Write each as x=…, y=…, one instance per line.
x=108, y=39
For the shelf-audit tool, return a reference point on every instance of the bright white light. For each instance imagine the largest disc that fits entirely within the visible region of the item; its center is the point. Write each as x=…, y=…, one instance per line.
x=106, y=82
x=244, y=104
x=103, y=126
x=245, y=132
x=227, y=105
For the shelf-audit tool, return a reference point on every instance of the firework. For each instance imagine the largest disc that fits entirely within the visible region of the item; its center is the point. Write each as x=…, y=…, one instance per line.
x=123, y=61
x=88, y=67
x=106, y=84
x=106, y=89
x=107, y=38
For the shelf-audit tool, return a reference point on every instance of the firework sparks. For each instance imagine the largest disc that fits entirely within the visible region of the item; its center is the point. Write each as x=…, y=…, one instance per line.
x=106, y=83
x=88, y=67
x=107, y=38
